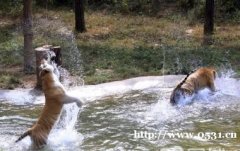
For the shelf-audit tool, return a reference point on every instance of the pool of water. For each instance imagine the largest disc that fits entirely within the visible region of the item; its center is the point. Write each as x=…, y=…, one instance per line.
x=139, y=118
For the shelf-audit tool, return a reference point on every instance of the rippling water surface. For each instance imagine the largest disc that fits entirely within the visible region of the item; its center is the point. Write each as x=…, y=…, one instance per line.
x=113, y=122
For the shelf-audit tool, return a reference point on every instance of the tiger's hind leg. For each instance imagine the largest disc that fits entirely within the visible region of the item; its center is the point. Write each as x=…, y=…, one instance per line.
x=39, y=140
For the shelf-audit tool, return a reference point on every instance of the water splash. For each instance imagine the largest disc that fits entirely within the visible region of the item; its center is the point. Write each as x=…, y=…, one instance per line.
x=150, y=112
x=53, y=31
x=227, y=89
x=226, y=84
x=64, y=133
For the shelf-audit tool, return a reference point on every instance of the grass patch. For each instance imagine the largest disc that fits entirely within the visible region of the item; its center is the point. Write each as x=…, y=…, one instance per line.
x=141, y=61
x=11, y=43
x=118, y=46
x=8, y=81
x=11, y=7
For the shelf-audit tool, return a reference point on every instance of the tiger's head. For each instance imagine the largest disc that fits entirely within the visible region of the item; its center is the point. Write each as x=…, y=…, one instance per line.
x=45, y=68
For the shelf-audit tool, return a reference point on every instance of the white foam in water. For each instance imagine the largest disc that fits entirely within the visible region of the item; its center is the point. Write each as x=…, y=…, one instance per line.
x=185, y=100
x=21, y=97
x=161, y=111
x=65, y=138
x=228, y=85
x=94, y=92
x=63, y=133
x=87, y=93
x=164, y=111
x=174, y=148
x=62, y=137
x=7, y=143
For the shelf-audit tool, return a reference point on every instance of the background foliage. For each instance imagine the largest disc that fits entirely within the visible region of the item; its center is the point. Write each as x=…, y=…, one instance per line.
x=124, y=38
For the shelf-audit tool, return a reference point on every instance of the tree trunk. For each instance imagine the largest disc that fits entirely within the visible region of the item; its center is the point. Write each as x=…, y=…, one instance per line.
x=79, y=16
x=58, y=58
x=155, y=6
x=41, y=2
x=191, y=3
x=28, y=37
x=52, y=55
x=209, y=23
x=209, y=17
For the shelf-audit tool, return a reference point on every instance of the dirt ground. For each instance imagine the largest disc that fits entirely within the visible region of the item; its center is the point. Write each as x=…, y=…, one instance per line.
x=24, y=80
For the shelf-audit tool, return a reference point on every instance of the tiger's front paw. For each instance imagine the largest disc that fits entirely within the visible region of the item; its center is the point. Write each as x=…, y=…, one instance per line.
x=79, y=103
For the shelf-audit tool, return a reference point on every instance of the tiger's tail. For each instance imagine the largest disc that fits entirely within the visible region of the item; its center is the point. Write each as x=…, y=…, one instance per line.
x=183, y=81
x=23, y=135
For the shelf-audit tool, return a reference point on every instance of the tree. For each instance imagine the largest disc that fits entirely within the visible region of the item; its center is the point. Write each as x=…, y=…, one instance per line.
x=191, y=3
x=155, y=6
x=209, y=17
x=79, y=16
x=41, y=2
x=28, y=37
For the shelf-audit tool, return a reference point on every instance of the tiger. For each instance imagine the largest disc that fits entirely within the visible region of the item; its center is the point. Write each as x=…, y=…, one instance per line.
x=55, y=98
x=196, y=80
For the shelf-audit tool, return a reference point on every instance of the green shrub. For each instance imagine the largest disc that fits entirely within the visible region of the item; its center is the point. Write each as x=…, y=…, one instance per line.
x=9, y=81
x=10, y=7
